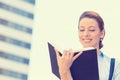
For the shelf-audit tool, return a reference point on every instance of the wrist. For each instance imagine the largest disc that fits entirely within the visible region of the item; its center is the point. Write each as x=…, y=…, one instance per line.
x=65, y=75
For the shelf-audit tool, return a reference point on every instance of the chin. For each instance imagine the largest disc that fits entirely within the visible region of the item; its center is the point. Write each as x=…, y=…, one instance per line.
x=85, y=46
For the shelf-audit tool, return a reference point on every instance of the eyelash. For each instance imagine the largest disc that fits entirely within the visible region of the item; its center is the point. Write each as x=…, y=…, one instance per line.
x=82, y=30
x=89, y=30
x=92, y=30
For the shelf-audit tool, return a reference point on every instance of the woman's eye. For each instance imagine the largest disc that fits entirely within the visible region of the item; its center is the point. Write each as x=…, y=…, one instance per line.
x=81, y=30
x=92, y=30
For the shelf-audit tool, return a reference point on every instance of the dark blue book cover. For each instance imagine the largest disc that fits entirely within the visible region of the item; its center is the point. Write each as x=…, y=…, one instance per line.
x=85, y=67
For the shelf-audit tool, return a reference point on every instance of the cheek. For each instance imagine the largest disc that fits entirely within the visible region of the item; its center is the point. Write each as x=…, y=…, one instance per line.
x=80, y=36
x=96, y=38
x=80, y=39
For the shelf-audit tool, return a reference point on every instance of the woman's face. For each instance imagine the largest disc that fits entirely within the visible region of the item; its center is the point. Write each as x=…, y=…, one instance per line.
x=89, y=32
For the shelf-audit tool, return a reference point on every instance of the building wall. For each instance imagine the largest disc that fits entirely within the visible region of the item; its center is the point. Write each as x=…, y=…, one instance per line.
x=16, y=24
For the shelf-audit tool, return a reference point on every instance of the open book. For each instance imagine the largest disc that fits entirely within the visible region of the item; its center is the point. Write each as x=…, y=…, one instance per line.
x=85, y=67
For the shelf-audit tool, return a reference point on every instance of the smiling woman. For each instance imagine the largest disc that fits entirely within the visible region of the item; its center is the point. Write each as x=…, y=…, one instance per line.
x=91, y=32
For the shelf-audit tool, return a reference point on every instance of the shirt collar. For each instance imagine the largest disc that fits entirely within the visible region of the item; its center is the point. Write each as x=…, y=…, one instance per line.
x=101, y=54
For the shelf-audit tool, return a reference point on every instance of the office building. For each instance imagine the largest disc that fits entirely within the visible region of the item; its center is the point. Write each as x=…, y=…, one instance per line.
x=16, y=24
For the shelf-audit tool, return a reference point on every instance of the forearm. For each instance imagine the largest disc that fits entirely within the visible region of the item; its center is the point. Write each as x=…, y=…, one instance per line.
x=64, y=63
x=66, y=75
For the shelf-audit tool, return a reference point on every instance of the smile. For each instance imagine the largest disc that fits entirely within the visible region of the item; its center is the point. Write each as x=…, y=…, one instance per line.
x=87, y=40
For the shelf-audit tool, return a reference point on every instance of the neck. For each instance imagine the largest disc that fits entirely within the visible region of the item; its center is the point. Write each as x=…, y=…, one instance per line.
x=98, y=51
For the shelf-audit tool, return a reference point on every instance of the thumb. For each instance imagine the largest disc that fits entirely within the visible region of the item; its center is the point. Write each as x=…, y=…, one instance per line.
x=57, y=53
x=77, y=55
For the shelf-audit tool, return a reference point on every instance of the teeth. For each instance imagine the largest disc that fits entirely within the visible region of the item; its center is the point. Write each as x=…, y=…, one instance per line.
x=87, y=40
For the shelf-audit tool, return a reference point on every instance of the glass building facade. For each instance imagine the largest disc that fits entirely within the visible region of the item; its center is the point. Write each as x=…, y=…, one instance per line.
x=16, y=23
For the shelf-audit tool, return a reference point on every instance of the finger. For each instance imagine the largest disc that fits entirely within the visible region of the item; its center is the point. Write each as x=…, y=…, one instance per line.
x=71, y=52
x=57, y=53
x=65, y=53
x=77, y=55
x=68, y=54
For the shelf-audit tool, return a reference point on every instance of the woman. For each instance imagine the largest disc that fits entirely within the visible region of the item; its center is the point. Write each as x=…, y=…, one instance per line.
x=91, y=33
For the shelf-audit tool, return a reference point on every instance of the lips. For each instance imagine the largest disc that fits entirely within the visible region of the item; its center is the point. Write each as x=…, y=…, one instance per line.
x=87, y=40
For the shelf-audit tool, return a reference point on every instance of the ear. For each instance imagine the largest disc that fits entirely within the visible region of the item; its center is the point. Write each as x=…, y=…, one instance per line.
x=102, y=34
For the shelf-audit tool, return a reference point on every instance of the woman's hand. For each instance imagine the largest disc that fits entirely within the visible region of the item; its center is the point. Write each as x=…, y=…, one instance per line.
x=64, y=63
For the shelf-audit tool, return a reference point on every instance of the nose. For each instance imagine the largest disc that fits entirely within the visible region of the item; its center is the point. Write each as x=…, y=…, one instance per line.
x=86, y=33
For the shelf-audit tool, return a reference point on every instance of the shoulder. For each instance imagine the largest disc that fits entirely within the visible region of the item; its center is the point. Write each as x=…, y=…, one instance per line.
x=117, y=69
x=117, y=63
x=106, y=58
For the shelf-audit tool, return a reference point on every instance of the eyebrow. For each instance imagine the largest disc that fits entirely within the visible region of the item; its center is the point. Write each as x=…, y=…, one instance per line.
x=81, y=26
x=88, y=27
x=92, y=26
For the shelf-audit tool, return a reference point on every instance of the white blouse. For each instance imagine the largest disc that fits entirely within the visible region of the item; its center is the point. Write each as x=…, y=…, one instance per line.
x=104, y=67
